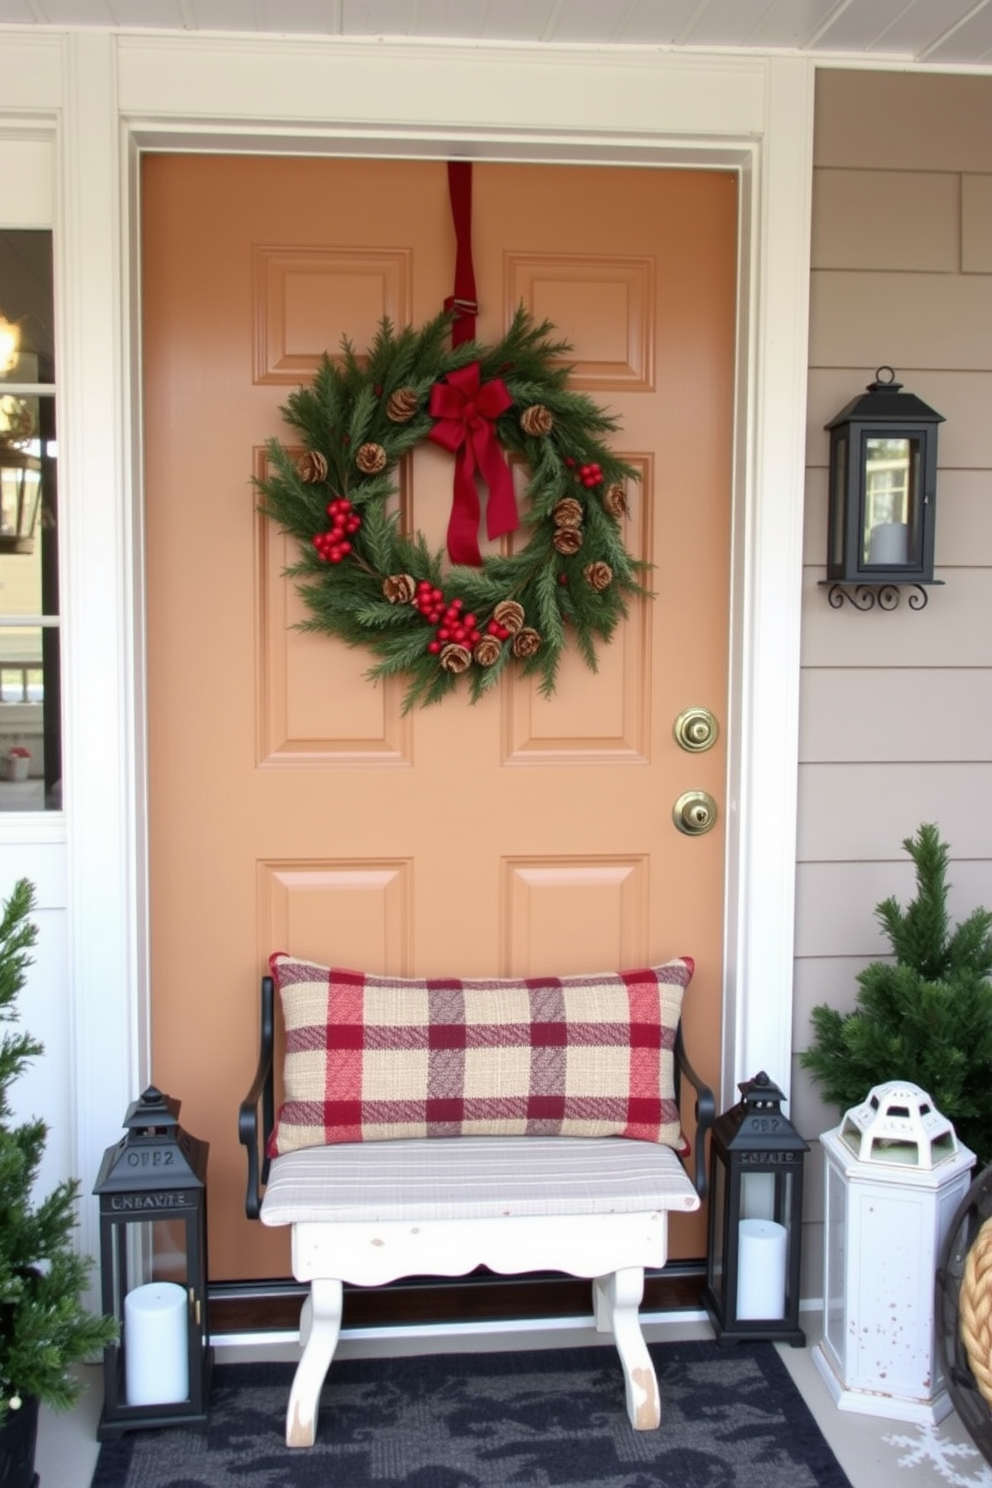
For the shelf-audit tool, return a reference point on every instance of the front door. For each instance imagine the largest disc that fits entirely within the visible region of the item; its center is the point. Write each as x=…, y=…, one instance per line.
x=292, y=804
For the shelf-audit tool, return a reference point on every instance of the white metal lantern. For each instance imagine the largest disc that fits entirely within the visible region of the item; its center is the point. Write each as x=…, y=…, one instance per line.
x=895, y=1174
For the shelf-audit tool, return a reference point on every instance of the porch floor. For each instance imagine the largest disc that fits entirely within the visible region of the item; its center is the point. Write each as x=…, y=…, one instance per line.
x=874, y=1451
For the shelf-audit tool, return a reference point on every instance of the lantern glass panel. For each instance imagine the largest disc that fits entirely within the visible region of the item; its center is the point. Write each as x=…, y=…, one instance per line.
x=892, y=526
x=758, y=1196
x=148, y=1251
x=838, y=501
x=764, y=1245
x=835, y=1260
x=718, y=1223
x=153, y=1357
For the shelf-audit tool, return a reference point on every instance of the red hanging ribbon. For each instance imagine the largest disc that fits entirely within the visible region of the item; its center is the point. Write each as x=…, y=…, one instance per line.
x=463, y=302
x=466, y=409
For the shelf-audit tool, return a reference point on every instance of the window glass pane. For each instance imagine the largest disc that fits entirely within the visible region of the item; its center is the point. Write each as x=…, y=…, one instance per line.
x=891, y=507
x=27, y=303
x=30, y=684
x=30, y=742
x=28, y=526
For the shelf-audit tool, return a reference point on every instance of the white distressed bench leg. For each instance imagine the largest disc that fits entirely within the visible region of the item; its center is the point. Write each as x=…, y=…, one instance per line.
x=320, y=1325
x=616, y=1299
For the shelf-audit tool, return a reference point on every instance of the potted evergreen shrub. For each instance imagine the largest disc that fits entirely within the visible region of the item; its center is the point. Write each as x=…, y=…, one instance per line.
x=44, y=1326
x=925, y=1016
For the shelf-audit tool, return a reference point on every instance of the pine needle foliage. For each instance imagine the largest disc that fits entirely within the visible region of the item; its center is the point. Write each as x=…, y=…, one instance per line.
x=925, y=1016
x=347, y=407
x=44, y=1327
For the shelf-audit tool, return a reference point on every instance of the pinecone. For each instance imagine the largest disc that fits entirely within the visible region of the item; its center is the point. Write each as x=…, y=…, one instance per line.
x=402, y=405
x=312, y=467
x=454, y=658
x=567, y=513
x=399, y=588
x=487, y=651
x=509, y=614
x=525, y=643
x=598, y=575
x=615, y=501
x=536, y=419
x=567, y=540
x=371, y=458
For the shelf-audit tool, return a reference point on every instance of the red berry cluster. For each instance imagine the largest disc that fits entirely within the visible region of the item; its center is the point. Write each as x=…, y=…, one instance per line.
x=590, y=475
x=345, y=522
x=449, y=618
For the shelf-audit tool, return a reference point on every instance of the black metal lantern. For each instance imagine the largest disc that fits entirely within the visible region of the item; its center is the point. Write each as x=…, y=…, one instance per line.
x=153, y=1270
x=755, y=1219
x=883, y=487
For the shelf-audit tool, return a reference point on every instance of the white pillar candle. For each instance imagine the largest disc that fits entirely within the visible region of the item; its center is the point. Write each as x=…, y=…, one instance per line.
x=761, y=1269
x=889, y=543
x=156, y=1344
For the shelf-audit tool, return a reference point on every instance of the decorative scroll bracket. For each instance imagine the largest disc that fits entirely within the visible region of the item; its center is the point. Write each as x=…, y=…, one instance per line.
x=876, y=596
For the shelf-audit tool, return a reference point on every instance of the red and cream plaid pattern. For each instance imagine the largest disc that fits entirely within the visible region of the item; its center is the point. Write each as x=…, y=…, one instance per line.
x=368, y=1058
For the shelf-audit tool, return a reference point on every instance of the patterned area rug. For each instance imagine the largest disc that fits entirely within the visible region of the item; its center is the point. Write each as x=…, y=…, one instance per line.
x=731, y=1418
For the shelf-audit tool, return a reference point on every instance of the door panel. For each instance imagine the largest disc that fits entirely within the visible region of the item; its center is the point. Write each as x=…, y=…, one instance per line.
x=292, y=806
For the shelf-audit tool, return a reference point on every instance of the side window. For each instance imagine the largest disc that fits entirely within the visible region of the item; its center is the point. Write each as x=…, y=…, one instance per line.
x=30, y=702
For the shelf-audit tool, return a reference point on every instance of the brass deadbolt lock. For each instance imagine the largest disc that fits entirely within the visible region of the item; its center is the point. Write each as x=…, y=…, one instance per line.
x=694, y=813
x=696, y=730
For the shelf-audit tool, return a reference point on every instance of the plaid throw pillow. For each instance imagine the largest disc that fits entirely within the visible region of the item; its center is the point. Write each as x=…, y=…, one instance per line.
x=369, y=1058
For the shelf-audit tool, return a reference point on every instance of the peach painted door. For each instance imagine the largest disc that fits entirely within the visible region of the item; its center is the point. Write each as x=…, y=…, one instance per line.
x=291, y=804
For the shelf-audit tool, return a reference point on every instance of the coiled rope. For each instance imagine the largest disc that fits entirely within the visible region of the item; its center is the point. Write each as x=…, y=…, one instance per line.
x=975, y=1308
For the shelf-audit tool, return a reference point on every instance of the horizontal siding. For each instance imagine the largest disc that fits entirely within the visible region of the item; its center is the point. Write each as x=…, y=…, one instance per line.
x=929, y=714
x=976, y=224
x=831, y=980
x=851, y=811
x=903, y=121
x=953, y=631
x=863, y=318
x=895, y=707
x=887, y=220
x=835, y=901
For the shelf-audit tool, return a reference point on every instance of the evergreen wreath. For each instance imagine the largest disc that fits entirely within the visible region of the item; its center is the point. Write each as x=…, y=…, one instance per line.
x=367, y=581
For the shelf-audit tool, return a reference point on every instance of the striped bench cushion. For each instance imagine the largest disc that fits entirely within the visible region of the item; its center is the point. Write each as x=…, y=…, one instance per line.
x=474, y=1178
x=375, y=1058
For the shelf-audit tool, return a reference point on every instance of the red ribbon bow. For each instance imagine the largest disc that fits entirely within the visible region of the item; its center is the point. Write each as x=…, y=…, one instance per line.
x=466, y=409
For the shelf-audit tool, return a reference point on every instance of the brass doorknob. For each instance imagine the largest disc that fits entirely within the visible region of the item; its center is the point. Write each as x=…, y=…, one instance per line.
x=694, y=813
x=696, y=729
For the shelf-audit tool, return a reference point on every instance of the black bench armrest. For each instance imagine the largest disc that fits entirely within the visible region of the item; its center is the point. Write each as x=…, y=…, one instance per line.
x=705, y=1110
x=260, y=1099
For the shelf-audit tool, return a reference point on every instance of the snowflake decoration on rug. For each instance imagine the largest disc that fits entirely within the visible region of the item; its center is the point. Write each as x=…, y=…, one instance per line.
x=934, y=1447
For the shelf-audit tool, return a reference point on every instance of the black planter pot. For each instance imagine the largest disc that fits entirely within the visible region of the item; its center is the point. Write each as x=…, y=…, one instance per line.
x=18, y=1437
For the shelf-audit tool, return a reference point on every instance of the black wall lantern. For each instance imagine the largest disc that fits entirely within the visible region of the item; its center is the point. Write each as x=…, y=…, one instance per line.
x=755, y=1219
x=883, y=489
x=153, y=1271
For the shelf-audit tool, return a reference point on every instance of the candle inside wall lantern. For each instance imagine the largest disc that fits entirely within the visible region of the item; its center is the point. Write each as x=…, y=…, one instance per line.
x=755, y=1219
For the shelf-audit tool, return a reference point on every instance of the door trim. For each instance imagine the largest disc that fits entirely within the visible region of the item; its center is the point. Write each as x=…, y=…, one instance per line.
x=749, y=114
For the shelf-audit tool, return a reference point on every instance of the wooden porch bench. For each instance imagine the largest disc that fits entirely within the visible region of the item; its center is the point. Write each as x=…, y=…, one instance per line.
x=370, y=1212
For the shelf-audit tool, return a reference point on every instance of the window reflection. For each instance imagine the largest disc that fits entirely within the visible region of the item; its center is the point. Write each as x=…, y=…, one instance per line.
x=30, y=690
